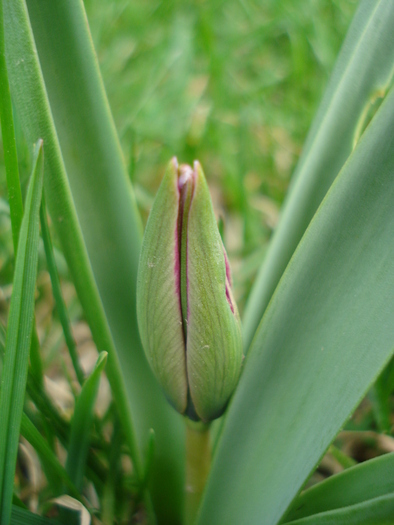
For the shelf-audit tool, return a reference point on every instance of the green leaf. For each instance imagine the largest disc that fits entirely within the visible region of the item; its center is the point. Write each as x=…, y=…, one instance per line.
x=368, y=480
x=325, y=337
x=24, y=517
x=108, y=500
x=12, y=174
x=28, y=90
x=105, y=207
x=8, y=138
x=82, y=423
x=363, y=72
x=377, y=511
x=19, y=332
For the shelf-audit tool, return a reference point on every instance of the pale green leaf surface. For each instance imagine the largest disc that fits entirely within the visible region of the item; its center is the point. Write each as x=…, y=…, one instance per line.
x=363, y=71
x=82, y=423
x=109, y=221
x=367, y=480
x=377, y=511
x=214, y=342
x=19, y=332
x=31, y=101
x=326, y=335
x=158, y=305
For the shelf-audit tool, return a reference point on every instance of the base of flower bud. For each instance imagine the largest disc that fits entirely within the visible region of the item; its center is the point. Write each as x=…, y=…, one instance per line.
x=190, y=410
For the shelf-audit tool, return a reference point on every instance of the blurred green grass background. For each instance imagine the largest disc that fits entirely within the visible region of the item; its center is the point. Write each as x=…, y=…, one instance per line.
x=232, y=83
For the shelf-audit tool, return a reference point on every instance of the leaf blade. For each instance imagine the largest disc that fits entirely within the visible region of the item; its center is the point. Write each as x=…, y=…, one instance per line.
x=29, y=94
x=76, y=96
x=81, y=424
x=331, y=307
x=19, y=333
x=365, y=481
x=24, y=517
x=368, y=56
x=377, y=511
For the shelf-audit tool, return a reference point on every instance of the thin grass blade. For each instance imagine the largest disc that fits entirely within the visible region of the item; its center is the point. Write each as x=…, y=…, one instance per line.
x=363, y=72
x=82, y=423
x=19, y=332
x=108, y=503
x=57, y=292
x=325, y=337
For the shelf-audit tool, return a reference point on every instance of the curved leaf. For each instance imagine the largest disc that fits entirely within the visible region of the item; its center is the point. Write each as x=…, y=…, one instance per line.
x=326, y=335
x=367, y=480
x=377, y=511
x=363, y=71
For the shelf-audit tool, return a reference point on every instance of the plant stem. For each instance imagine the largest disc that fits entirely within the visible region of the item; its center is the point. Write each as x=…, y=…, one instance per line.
x=198, y=462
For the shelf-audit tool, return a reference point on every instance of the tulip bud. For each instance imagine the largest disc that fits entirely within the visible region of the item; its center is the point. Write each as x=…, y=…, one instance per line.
x=188, y=320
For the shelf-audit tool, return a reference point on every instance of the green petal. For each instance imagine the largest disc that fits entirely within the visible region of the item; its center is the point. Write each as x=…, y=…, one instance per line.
x=214, y=343
x=158, y=294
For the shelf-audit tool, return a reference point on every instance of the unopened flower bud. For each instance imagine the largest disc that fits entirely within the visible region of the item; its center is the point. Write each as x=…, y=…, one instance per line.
x=188, y=320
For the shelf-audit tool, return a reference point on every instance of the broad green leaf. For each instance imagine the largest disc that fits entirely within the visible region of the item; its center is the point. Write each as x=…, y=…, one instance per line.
x=104, y=204
x=12, y=175
x=19, y=332
x=326, y=335
x=8, y=139
x=25, y=517
x=28, y=91
x=362, y=73
x=365, y=481
x=377, y=511
x=82, y=423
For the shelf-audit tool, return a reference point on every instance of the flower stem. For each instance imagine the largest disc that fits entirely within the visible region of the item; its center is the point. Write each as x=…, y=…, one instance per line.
x=198, y=462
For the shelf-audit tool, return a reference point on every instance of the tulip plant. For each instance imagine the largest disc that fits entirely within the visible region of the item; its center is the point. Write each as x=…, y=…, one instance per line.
x=218, y=423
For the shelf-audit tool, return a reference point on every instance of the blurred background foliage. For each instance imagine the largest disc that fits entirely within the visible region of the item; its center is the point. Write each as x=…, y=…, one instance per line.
x=233, y=83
